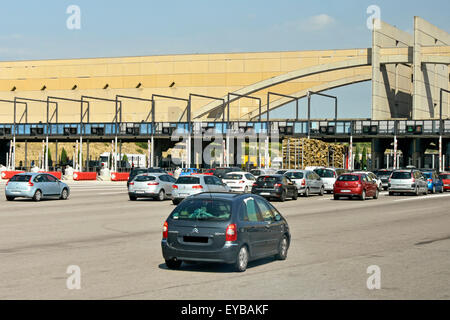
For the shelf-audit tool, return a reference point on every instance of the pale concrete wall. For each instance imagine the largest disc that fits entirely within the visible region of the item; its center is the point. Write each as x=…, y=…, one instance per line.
x=391, y=83
x=429, y=78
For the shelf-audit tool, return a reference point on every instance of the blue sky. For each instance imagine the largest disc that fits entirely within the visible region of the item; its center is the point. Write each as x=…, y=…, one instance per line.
x=37, y=30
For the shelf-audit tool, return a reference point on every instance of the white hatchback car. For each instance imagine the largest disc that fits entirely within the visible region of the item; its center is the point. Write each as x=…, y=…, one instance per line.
x=239, y=181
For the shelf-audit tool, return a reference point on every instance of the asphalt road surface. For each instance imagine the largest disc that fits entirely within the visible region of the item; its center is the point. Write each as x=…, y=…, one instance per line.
x=116, y=244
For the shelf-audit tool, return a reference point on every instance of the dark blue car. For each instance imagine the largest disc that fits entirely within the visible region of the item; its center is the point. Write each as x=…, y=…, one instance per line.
x=434, y=183
x=225, y=228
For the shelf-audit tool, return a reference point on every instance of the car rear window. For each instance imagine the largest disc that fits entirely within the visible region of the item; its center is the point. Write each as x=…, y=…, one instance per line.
x=188, y=180
x=233, y=176
x=383, y=173
x=348, y=177
x=268, y=179
x=255, y=172
x=444, y=176
x=203, y=209
x=294, y=175
x=20, y=178
x=324, y=173
x=135, y=172
x=144, y=178
x=401, y=175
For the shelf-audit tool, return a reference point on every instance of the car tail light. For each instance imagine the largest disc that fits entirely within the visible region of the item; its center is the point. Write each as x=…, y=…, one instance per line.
x=131, y=183
x=197, y=187
x=255, y=184
x=165, y=231
x=231, y=233
x=413, y=180
x=153, y=184
x=303, y=182
x=242, y=181
x=278, y=185
x=174, y=186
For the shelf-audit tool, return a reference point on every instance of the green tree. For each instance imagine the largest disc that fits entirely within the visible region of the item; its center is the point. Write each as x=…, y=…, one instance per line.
x=364, y=159
x=64, y=159
x=357, y=153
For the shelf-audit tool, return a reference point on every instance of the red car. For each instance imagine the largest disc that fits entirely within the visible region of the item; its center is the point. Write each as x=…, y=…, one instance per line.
x=445, y=177
x=355, y=185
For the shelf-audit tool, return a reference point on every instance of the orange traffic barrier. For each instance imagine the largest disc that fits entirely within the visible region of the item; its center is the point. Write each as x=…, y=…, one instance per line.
x=120, y=176
x=6, y=175
x=83, y=176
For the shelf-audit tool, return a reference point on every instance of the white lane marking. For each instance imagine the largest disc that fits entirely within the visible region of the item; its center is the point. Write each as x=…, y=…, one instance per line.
x=109, y=193
x=424, y=197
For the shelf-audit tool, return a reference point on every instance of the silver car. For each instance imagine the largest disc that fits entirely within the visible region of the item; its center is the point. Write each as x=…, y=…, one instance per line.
x=36, y=186
x=408, y=181
x=189, y=185
x=151, y=185
x=308, y=182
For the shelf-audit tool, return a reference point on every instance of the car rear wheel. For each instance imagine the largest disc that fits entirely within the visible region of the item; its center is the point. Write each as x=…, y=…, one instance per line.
x=242, y=260
x=322, y=191
x=37, y=195
x=173, y=264
x=295, y=195
x=161, y=195
x=283, y=196
x=336, y=197
x=64, y=194
x=363, y=195
x=377, y=194
x=306, y=193
x=9, y=198
x=283, y=248
x=133, y=198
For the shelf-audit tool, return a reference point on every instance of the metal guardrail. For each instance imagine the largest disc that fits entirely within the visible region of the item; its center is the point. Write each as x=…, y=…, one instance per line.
x=284, y=128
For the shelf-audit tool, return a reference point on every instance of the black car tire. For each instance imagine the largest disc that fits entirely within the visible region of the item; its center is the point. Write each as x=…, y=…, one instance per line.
x=132, y=198
x=336, y=197
x=322, y=191
x=176, y=201
x=241, y=259
x=10, y=198
x=377, y=194
x=306, y=194
x=283, y=196
x=295, y=195
x=161, y=195
x=363, y=195
x=64, y=194
x=283, y=248
x=37, y=196
x=173, y=264
x=391, y=193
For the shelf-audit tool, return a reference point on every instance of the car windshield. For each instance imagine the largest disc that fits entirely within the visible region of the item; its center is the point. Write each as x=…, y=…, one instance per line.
x=203, y=209
x=294, y=175
x=444, y=176
x=401, y=175
x=428, y=175
x=188, y=180
x=20, y=178
x=233, y=176
x=347, y=177
x=135, y=172
x=325, y=173
x=144, y=178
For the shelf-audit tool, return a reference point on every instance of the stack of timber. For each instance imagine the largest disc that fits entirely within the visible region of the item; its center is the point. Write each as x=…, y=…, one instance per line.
x=302, y=153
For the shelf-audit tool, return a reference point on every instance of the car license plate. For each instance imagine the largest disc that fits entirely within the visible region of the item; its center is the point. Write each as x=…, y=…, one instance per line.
x=265, y=193
x=345, y=191
x=140, y=191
